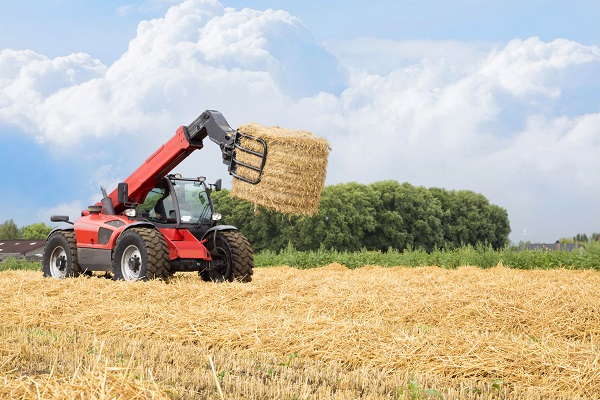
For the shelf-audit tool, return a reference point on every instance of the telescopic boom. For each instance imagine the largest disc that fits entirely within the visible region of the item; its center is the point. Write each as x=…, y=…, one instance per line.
x=187, y=139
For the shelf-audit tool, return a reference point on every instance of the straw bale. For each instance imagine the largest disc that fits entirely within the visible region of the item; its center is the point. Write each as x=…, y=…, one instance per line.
x=294, y=172
x=332, y=332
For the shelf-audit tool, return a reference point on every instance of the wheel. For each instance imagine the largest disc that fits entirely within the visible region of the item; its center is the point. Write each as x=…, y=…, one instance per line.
x=60, y=256
x=141, y=254
x=232, y=257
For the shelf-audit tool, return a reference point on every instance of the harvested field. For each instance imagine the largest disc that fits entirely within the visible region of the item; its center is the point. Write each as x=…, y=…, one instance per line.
x=326, y=333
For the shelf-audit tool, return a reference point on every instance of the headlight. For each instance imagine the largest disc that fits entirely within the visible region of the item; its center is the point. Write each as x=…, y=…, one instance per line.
x=130, y=212
x=216, y=216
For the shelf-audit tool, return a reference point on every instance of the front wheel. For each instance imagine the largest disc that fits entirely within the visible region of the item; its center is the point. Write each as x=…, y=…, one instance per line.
x=232, y=257
x=60, y=256
x=141, y=254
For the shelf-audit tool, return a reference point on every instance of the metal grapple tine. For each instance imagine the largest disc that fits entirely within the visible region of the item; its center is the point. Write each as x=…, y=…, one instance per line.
x=238, y=149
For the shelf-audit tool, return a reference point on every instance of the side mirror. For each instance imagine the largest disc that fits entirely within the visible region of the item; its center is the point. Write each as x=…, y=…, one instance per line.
x=59, y=218
x=218, y=184
x=123, y=193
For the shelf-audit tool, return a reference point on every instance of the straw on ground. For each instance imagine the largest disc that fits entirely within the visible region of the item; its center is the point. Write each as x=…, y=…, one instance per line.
x=322, y=333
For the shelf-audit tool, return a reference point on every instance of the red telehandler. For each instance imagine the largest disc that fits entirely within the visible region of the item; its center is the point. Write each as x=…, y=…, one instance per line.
x=156, y=223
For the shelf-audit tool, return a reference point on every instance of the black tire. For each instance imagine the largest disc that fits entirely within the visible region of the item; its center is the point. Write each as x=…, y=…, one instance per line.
x=233, y=251
x=60, y=256
x=141, y=254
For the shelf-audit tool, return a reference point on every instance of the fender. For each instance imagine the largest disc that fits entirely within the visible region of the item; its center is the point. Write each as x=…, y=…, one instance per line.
x=139, y=223
x=219, y=228
x=129, y=226
x=59, y=229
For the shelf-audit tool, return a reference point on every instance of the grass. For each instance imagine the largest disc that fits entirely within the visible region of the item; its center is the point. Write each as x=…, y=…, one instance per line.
x=12, y=263
x=481, y=256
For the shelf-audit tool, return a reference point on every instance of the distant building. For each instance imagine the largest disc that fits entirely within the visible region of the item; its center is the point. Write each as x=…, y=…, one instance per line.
x=554, y=246
x=30, y=249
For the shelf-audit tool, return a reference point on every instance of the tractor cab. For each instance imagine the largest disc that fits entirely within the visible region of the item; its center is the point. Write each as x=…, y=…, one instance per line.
x=181, y=203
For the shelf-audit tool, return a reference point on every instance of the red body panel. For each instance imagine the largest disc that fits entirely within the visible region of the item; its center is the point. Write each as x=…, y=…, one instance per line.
x=182, y=244
x=87, y=230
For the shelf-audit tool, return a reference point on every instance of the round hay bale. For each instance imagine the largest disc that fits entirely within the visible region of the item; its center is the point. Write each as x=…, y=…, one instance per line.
x=294, y=173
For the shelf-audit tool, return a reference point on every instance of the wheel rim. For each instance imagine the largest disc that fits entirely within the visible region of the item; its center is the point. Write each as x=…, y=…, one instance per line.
x=58, y=263
x=131, y=263
x=221, y=253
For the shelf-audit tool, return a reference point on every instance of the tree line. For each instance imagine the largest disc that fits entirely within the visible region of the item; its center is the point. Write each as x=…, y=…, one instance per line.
x=581, y=238
x=9, y=230
x=379, y=216
x=352, y=216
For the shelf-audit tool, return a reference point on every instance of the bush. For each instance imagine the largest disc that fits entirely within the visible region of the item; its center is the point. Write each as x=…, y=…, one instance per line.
x=20, y=263
x=479, y=256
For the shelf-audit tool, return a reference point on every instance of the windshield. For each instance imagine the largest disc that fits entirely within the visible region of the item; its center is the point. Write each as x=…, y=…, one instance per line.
x=193, y=200
x=191, y=196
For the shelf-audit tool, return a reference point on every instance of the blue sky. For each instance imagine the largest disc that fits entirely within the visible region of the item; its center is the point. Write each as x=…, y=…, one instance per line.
x=498, y=97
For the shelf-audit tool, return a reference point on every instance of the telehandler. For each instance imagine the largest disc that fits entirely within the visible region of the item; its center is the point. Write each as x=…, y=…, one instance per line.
x=156, y=223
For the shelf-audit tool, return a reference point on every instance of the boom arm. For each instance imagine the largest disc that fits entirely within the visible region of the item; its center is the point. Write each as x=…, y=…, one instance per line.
x=186, y=140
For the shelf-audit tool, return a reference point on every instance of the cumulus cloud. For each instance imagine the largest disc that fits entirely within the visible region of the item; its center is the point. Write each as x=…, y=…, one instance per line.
x=199, y=53
x=503, y=125
x=71, y=209
x=419, y=107
x=28, y=80
x=516, y=121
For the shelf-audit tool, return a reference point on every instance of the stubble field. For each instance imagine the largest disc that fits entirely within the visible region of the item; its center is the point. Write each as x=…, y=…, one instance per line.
x=324, y=333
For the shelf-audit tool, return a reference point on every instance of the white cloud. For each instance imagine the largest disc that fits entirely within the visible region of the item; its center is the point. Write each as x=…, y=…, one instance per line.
x=518, y=122
x=199, y=54
x=28, y=80
x=462, y=115
x=531, y=67
x=71, y=209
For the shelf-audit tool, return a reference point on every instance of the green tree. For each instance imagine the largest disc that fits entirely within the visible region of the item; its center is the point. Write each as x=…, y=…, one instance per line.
x=567, y=240
x=36, y=231
x=263, y=227
x=500, y=227
x=9, y=230
x=581, y=238
x=409, y=216
x=346, y=216
x=390, y=231
x=378, y=216
x=469, y=218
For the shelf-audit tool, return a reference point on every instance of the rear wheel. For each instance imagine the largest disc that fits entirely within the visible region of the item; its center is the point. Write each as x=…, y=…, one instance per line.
x=232, y=257
x=60, y=256
x=141, y=254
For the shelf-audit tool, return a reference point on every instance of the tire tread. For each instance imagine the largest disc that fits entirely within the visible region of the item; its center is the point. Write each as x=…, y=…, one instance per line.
x=71, y=239
x=158, y=253
x=242, y=256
